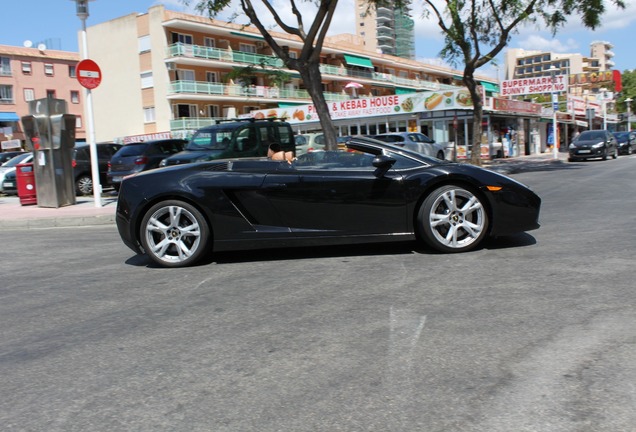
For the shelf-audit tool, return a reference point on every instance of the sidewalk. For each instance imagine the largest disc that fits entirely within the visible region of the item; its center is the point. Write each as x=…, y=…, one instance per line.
x=13, y=215
x=84, y=213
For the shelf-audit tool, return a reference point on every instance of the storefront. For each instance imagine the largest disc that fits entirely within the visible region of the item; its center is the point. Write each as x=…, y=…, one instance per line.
x=509, y=127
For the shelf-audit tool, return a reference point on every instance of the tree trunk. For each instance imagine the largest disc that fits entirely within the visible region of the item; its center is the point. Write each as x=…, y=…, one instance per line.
x=478, y=114
x=311, y=76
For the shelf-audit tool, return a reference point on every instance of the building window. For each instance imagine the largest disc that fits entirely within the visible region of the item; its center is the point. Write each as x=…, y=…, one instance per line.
x=74, y=96
x=213, y=111
x=5, y=66
x=78, y=122
x=182, y=38
x=149, y=115
x=72, y=73
x=247, y=48
x=185, y=111
x=6, y=94
x=184, y=75
x=48, y=69
x=26, y=68
x=212, y=77
x=143, y=43
x=209, y=42
x=293, y=54
x=147, y=80
x=29, y=94
x=50, y=94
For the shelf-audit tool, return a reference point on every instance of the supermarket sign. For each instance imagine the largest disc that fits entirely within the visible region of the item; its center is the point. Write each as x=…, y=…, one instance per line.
x=524, y=86
x=373, y=106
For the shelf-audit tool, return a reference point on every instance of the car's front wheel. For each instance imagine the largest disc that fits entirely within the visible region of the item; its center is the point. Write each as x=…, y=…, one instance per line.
x=453, y=219
x=174, y=234
x=84, y=185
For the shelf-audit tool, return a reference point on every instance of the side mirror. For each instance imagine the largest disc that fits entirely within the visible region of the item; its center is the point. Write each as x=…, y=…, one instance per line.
x=383, y=163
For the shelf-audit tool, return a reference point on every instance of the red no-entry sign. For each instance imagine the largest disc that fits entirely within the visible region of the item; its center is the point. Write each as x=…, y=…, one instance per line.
x=88, y=74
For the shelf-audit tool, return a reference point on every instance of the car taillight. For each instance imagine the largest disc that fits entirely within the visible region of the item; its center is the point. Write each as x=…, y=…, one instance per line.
x=74, y=163
x=141, y=160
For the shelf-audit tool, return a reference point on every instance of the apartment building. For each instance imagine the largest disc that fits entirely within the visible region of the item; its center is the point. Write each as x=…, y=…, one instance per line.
x=27, y=74
x=385, y=29
x=166, y=72
x=586, y=73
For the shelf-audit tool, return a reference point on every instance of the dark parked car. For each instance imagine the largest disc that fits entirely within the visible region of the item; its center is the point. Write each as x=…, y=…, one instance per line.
x=593, y=144
x=82, y=172
x=7, y=156
x=234, y=139
x=9, y=184
x=370, y=192
x=626, y=142
x=141, y=156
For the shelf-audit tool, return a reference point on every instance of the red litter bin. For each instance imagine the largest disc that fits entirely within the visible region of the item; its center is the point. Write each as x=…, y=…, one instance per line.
x=25, y=179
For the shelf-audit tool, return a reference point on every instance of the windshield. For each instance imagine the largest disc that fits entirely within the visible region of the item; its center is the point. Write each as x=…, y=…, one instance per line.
x=16, y=160
x=592, y=135
x=217, y=139
x=132, y=150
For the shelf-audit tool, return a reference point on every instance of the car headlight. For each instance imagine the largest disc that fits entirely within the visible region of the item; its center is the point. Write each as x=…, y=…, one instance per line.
x=572, y=146
x=599, y=145
x=163, y=163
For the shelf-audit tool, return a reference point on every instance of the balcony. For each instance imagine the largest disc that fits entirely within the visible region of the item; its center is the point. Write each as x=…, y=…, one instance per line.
x=207, y=53
x=195, y=51
x=250, y=93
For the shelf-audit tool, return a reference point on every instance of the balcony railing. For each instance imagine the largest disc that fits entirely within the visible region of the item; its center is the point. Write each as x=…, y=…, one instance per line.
x=255, y=92
x=197, y=51
x=191, y=123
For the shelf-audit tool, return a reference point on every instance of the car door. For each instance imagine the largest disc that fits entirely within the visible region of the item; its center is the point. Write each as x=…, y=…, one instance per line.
x=339, y=198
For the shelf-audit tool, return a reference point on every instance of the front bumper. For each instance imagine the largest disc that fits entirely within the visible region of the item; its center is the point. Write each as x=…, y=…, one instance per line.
x=587, y=153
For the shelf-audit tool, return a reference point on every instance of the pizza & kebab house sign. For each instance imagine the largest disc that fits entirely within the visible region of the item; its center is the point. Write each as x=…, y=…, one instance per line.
x=374, y=106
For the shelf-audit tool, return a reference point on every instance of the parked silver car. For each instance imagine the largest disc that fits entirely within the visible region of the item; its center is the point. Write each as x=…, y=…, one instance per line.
x=414, y=141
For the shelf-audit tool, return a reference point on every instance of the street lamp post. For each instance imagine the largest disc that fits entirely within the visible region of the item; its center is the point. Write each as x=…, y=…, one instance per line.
x=555, y=107
x=82, y=14
x=629, y=125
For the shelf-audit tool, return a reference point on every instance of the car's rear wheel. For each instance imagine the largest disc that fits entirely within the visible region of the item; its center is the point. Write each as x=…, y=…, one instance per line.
x=453, y=219
x=84, y=185
x=174, y=234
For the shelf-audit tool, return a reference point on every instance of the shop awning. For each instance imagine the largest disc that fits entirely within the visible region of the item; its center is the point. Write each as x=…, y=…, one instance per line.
x=9, y=117
x=489, y=87
x=353, y=60
x=248, y=35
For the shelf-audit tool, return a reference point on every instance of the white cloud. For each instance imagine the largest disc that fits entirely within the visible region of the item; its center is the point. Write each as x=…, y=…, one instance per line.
x=540, y=43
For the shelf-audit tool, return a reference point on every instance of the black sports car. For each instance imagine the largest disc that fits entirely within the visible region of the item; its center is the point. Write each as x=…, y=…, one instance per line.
x=372, y=192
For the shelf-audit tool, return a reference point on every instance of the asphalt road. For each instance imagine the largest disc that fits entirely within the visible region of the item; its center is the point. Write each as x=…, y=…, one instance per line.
x=534, y=332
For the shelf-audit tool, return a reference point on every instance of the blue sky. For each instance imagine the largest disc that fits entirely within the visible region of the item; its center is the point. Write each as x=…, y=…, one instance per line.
x=54, y=22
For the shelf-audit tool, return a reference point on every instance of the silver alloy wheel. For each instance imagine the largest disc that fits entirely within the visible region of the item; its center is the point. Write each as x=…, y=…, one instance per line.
x=454, y=219
x=173, y=234
x=84, y=185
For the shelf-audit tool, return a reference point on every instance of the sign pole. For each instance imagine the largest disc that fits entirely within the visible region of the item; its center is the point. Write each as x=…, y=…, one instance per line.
x=97, y=187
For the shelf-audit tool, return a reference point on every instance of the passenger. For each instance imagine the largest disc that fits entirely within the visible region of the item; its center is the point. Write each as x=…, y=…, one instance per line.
x=275, y=152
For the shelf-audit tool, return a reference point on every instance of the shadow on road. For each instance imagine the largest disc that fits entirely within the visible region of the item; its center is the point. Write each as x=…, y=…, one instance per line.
x=342, y=251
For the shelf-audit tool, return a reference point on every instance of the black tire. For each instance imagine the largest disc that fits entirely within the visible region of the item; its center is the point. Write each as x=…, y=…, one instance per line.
x=174, y=234
x=452, y=219
x=84, y=185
